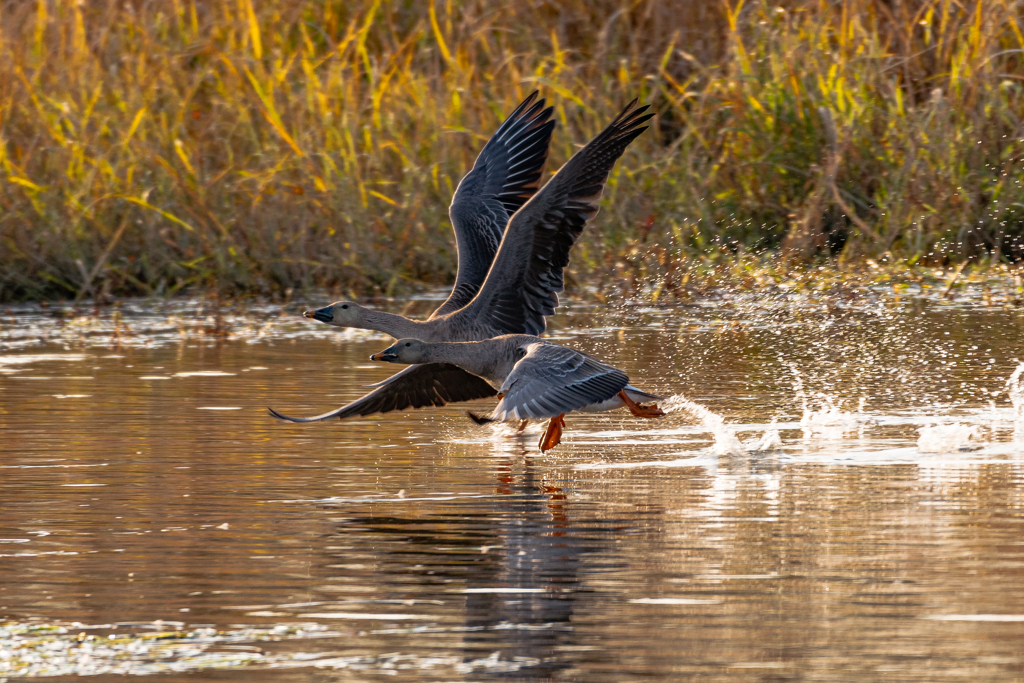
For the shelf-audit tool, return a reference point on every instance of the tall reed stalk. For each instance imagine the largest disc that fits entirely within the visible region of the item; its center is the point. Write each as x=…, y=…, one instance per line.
x=243, y=146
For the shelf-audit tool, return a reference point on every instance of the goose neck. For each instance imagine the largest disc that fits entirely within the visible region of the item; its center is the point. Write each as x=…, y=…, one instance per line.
x=397, y=326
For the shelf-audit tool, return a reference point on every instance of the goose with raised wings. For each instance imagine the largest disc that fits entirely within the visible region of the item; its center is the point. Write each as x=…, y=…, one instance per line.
x=520, y=284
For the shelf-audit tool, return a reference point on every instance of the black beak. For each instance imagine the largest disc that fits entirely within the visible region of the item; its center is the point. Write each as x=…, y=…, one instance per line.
x=324, y=315
x=384, y=355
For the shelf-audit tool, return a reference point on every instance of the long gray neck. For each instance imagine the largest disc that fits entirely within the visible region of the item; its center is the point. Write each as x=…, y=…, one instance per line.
x=397, y=326
x=487, y=359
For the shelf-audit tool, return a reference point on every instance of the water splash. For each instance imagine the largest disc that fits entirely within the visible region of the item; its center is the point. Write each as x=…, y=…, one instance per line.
x=947, y=438
x=1015, y=389
x=829, y=421
x=726, y=442
x=769, y=441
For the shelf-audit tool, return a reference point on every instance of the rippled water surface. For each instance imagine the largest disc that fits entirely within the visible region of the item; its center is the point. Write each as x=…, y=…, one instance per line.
x=836, y=495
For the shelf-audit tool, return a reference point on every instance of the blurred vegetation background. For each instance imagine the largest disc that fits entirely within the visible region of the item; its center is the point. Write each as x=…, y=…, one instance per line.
x=152, y=147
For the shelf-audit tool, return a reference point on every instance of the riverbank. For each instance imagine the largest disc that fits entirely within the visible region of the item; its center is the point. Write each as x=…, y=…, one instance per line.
x=747, y=292
x=276, y=148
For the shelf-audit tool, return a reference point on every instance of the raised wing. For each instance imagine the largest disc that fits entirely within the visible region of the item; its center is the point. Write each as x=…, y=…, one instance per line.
x=505, y=175
x=417, y=386
x=551, y=380
x=521, y=287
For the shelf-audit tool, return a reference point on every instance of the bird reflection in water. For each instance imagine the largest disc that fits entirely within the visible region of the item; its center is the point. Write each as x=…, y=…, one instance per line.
x=522, y=607
x=514, y=559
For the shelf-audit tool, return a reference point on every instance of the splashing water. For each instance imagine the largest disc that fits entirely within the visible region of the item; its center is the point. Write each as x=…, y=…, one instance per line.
x=947, y=438
x=726, y=442
x=1015, y=388
x=769, y=441
x=829, y=421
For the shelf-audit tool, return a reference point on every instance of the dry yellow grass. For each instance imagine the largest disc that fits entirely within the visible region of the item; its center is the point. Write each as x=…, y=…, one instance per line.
x=266, y=146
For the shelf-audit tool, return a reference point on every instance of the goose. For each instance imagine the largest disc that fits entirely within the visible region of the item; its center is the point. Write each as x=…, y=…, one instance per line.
x=520, y=287
x=504, y=176
x=535, y=379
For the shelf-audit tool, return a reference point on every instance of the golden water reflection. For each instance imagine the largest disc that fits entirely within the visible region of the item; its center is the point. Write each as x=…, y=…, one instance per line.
x=148, y=484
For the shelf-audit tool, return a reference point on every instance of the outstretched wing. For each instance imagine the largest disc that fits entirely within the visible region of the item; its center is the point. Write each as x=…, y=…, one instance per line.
x=417, y=386
x=552, y=379
x=521, y=287
x=505, y=175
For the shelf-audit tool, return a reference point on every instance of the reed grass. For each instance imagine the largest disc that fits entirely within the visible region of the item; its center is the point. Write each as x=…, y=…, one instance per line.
x=273, y=146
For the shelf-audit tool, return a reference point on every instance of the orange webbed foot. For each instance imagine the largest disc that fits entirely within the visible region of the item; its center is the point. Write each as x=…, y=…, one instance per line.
x=640, y=410
x=553, y=436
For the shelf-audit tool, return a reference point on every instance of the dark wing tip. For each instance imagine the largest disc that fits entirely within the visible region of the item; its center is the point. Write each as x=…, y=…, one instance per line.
x=629, y=111
x=630, y=134
x=317, y=418
x=625, y=131
x=479, y=419
x=634, y=119
x=544, y=119
x=643, y=119
x=279, y=416
x=525, y=110
x=524, y=104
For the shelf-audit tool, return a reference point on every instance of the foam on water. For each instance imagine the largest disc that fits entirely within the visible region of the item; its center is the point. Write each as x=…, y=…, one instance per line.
x=34, y=649
x=726, y=441
x=945, y=438
x=8, y=363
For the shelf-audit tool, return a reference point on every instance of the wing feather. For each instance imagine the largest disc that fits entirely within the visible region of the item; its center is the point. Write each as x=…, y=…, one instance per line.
x=504, y=176
x=552, y=379
x=522, y=285
x=417, y=386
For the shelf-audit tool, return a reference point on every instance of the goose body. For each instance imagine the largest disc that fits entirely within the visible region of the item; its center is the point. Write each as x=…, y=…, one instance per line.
x=519, y=286
x=505, y=175
x=534, y=378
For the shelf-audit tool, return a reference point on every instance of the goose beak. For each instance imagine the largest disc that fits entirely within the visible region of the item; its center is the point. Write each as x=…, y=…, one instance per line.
x=324, y=315
x=384, y=355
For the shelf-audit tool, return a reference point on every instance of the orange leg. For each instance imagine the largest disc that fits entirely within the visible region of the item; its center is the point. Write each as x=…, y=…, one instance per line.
x=640, y=410
x=522, y=426
x=553, y=436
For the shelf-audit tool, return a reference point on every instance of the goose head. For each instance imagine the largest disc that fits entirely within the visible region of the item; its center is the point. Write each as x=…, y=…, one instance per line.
x=340, y=314
x=404, y=351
